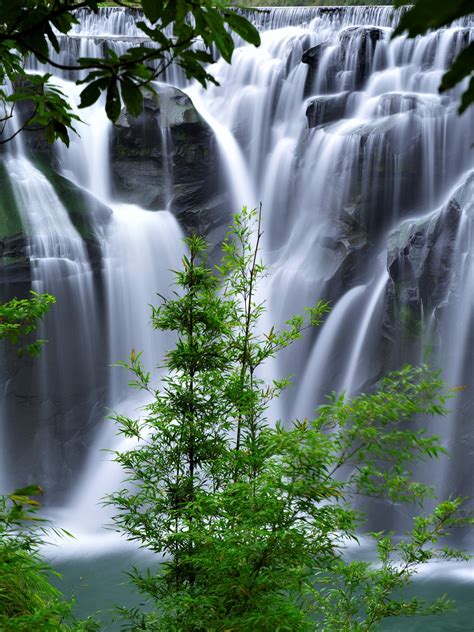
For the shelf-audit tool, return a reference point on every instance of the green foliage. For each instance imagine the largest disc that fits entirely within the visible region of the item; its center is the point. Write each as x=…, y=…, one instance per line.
x=434, y=14
x=19, y=318
x=27, y=28
x=28, y=600
x=252, y=519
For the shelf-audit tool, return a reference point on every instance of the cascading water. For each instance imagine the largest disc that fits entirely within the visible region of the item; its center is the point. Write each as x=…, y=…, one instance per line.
x=138, y=249
x=60, y=265
x=104, y=279
x=340, y=150
x=366, y=177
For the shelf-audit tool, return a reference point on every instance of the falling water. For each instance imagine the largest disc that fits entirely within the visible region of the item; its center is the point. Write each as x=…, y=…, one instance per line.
x=341, y=150
x=363, y=172
x=102, y=312
x=59, y=265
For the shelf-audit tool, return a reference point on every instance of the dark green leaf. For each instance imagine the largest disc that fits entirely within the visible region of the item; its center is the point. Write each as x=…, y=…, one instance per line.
x=242, y=27
x=152, y=9
x=132, y=97
x=113, y=103
x=91, y=93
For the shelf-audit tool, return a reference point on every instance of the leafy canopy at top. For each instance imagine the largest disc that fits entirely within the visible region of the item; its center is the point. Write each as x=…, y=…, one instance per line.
x=179, y=31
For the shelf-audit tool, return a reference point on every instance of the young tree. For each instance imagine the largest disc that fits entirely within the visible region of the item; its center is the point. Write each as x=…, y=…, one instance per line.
x=249, y=520
x=174, y=28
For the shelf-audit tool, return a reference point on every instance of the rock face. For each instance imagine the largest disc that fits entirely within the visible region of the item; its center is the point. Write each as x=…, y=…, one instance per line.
x=15, y=275
x=352, y=55
x=312, y=56
x=51, y=408
x=387, y=150
x=326, y=109
x=420, y=257
x=401, y=102
x=167, y=158
x=88, y=215
x=348, y=244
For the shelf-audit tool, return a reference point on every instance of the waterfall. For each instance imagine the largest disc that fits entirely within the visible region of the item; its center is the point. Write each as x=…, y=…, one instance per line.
x=104, y=273
x=365, y=173
x=66, y=369
x=340, y=150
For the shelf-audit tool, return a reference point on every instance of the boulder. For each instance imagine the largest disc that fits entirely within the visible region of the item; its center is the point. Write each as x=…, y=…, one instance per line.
x=420, y=262
x=326, y=109
x=166, y=158
x=367, y=34
x=352, y=55
x=312, y=56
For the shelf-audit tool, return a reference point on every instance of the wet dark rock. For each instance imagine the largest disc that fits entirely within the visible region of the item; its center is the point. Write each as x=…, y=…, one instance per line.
x=360, y=42
x=380, y=167
x=367, y=34
x=15, y=273
x=15, y=268
x=460, y=41
x=347, y=246
x=167, y=157
x=420, y=256
x=36, y=411
x=326, y=109
x=424, y=106
x=312, y=56
x=87, y=213
x=352, y=55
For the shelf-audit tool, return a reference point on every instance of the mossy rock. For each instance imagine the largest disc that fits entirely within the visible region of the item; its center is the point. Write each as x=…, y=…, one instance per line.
x=86, y=212
x=10, y=219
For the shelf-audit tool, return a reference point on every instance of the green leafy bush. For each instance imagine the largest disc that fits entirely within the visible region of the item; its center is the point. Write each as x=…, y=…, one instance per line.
x=28, y=599
x=20, y=317
x=249, y=521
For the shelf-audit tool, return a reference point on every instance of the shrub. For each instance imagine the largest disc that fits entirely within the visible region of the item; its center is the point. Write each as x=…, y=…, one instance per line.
x=249, y=520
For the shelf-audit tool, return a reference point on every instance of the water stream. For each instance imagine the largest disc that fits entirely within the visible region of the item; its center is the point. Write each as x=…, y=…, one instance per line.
x=366, y=176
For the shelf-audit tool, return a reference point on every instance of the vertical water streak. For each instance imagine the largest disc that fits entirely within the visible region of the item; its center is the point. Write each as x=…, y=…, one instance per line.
x=341, y=151
x=60, y=266
x=351, y=381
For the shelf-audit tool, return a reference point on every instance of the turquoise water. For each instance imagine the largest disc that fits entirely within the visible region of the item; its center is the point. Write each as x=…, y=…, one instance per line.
x=100, y=583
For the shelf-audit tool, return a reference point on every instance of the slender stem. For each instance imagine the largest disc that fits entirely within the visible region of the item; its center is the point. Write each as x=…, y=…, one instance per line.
x=25, y=124
x=248, y=321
